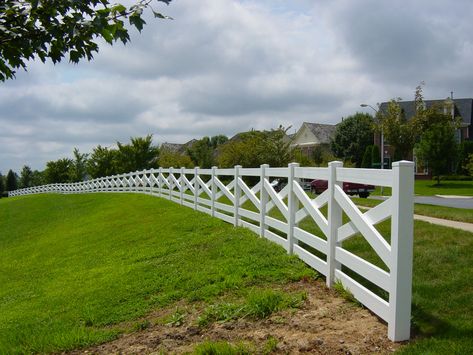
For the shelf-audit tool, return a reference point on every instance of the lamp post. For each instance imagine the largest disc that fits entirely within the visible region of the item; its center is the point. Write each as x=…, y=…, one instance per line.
x=382, y=139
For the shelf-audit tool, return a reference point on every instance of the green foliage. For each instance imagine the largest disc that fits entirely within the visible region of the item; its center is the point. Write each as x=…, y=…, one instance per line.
x=367, y=162
x=300, y=157
x=376, y=157
x=58, y=171
x=203, y=151
x=102, y=162
x=345, y=293
x=79, y=169
x=403, y=132
x=2, y=185
x=11, y=181
x=352, y=136
x=438, y=147
x=26, y=177
x=469, y=165
x=169, y=158
x=465, y=150
x=139, y=154
x=318, y=155
x=222, y=348
x=31, y=29
x=254, y=148
x=400, y=132
x=258, y=304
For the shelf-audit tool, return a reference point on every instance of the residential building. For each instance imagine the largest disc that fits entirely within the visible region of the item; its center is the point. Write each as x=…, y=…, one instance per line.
x=461, y=108
x=311, y=135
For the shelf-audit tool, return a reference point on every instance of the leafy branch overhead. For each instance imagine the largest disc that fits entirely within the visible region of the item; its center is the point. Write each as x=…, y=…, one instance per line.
x=55, y=29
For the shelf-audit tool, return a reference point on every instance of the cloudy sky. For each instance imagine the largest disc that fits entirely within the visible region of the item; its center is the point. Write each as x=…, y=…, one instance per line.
x=225, y=66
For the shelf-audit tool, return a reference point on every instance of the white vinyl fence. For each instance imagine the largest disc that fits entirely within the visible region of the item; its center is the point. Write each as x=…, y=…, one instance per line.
x=223, y=193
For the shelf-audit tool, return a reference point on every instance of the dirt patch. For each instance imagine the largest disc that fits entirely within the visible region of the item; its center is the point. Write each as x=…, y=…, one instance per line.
x=325, y=324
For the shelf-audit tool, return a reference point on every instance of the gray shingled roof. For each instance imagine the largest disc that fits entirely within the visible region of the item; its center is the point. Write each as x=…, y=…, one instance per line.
x=323, y=132
x=463, y=108
x=173, y=147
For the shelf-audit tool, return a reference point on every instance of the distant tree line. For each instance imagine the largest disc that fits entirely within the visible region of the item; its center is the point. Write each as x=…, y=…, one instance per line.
x=430, y=133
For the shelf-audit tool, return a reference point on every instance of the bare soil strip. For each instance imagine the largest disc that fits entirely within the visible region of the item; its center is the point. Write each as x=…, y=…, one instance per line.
x=325, y=324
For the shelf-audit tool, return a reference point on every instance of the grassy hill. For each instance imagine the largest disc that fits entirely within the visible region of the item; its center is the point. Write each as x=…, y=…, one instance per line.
x=72, y=266
x=75, y=267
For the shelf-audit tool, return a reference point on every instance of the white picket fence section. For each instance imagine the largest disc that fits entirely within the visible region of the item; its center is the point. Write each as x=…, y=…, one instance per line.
x=204, y=190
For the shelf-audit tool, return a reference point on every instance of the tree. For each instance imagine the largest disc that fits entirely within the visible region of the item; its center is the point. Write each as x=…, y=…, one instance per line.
x=352, y=136
x=102, y=162
x=367, y=156
x=202, y=152
x=58, y=171
x=138, y=155
x=2, y=185
x=400, y=132
x=79, y=168
x=52, y=29
x=469, y=165
x=12, y=181
x=437, y=146
x=26, y=176
x=254, y=148
x=37, y=178
x=376, y=157
x=169, y=158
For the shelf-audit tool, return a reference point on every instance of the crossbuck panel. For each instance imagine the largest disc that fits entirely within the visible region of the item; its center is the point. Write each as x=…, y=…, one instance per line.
x=247, y=197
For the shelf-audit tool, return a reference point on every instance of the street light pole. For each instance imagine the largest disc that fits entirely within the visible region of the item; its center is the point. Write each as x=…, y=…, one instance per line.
x=382, y=139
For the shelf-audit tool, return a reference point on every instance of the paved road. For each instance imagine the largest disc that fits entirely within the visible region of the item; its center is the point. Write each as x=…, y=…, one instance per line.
x=448, y=202
x=466, y=203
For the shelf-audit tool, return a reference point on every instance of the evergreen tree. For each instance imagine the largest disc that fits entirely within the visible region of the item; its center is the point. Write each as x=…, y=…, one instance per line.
x=12, y=181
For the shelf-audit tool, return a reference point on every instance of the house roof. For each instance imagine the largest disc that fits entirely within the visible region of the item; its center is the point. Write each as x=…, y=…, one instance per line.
x=173, y=147
x=463, y=108
x=178, y=147
x=323, y=132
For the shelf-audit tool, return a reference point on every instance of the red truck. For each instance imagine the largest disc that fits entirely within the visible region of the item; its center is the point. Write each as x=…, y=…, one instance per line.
x=350, y=188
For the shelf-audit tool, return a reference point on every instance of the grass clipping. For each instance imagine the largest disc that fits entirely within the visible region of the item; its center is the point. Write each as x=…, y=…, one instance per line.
x=258, y=305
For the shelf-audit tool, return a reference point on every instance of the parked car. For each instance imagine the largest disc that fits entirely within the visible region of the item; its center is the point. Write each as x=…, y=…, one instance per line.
x=278, y=184
x=350, y=188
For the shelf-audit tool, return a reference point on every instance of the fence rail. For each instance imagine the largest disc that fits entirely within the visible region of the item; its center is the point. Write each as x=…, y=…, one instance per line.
x=277, y=216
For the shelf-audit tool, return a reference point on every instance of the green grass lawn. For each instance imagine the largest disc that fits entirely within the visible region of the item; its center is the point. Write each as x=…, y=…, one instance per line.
x=74, y=266
x=430, y=188
x=454, y=214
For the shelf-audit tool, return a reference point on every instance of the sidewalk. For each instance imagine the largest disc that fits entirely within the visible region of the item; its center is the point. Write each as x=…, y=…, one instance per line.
x=439, y=221
x=446, y=222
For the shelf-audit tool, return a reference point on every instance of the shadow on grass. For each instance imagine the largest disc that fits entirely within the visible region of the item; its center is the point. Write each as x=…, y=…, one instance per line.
x=425, y=325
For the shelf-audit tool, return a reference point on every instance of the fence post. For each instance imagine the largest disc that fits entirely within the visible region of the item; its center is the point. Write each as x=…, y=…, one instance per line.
x=213, y=190
x=263, y=201
x=160, y=182
x=181, y=182
x=170, y=182
x=236, y=195
x=292, y=207
x=334, y=221
x=402, y=226
x=196, y=187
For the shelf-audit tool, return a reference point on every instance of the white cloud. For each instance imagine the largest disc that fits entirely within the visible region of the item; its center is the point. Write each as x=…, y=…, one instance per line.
x=226, y=66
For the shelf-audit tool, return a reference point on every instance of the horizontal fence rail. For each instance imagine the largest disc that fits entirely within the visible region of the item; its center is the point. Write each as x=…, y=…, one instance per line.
x=249, y=197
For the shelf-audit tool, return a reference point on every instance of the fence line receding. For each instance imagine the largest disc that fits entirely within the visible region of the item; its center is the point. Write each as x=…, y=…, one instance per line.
x=282, y=216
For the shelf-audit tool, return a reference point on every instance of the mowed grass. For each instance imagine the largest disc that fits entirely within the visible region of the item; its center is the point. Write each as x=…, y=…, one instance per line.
x=442, y=299
x=442, y=316
x=430, y=188
x=454, y=214
x=73, y=267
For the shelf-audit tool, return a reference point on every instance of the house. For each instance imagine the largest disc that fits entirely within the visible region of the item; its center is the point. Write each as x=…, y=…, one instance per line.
x=461, y=108
x=178, y=147
x=311, y=135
